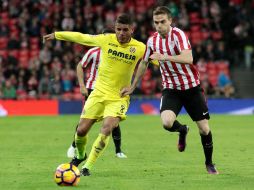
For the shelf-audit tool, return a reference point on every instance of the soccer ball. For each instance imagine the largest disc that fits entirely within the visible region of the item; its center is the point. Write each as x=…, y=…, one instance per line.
x=67, y=175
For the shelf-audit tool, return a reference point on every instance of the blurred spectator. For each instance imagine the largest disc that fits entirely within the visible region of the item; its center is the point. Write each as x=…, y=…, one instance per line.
x=44, y=84
x=55, y=86
x=220, y=52
x=209, y=54
x=45, y=55
x=4, y=30
x=68, y=22
x=225, y=85
x=21, y=89
x=215, y=36
x=68, y=77
x=9, y=91
x=32, y=84
x=13, y=42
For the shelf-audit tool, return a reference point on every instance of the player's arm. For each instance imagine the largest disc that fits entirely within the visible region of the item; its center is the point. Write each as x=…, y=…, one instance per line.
x=76, y=37
x=80, y=75
x=139, y=74
x=185, y=57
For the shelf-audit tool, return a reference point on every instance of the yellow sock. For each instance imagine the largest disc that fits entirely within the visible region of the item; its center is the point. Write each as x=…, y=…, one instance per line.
x=98, y=147
x=80, y=146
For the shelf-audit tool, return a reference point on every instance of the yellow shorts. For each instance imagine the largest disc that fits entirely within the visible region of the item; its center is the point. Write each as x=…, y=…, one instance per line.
x=99, y=106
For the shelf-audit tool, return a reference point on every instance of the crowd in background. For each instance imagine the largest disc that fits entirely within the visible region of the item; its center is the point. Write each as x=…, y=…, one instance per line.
x=220, y=33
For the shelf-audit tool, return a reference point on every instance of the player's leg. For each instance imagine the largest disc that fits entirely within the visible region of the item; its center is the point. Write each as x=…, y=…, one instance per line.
x=100, y=143
x=71, y=149
x=93, y=110
x=170, y=107
x=113, y=112
x=81, y=138
x=207, y=143
x=195, y=104
x=117, y=138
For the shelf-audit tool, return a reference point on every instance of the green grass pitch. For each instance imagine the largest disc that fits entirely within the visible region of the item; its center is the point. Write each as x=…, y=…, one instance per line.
x=32, y=147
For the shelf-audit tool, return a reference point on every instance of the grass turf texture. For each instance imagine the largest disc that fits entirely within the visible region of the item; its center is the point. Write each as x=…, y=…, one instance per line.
x=32, y=148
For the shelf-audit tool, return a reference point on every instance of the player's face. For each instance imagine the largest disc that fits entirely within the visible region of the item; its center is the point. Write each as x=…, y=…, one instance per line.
x=162, y=23
x=123, y=32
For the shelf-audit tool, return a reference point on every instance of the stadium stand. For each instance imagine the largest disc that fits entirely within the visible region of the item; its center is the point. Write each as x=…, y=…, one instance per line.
x=30, y=70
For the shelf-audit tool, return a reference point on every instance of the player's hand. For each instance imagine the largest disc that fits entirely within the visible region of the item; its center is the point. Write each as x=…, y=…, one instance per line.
x=48, y=37
x=157, y=56
x=83, y=91
x=126, y=91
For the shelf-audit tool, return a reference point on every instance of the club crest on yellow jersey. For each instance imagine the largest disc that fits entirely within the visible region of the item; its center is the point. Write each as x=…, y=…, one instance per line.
x=132, y=49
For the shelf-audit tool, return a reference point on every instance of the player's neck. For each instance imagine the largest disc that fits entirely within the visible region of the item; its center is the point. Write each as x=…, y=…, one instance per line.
x=125, y=42
x=166, y=33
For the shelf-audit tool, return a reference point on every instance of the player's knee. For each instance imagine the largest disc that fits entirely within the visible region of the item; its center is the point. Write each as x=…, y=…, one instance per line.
x=80, y=132
x=167, y=124
x=204, y=130
x=106, y=129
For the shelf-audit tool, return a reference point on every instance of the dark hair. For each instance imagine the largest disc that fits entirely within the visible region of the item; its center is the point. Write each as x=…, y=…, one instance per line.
x=124, y=18
x=162, y=10
x=107, y=30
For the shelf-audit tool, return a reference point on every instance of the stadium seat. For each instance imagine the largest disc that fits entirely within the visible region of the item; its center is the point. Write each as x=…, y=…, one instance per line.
x=34, y=40
x=210, y=66
x=217, y=35
x=195, y=28
x=23, y=62
x=4, y=17
x=14, y=53
x=194, y=18
x=67, y=96
x=13, y=22
x=21, y=94
x=3, y=53
x=44, y=96
x=3, y=42
x=205, y=35
x=34, y=47
x=77, y=96
x=196, y=38
x=213, y=79
x=223, y=66
x=24, y=53
x=34, y=53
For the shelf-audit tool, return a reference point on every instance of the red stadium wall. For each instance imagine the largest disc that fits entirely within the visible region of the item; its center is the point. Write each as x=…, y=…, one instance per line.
x=30, y=107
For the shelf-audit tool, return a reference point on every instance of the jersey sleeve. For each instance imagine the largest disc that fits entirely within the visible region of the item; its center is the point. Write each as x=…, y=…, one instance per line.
x=148, y=50
x=87, y=57
x=84, y=39
x=182, y=41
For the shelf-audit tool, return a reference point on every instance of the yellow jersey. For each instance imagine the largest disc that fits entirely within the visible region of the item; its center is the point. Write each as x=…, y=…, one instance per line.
x=118, y=61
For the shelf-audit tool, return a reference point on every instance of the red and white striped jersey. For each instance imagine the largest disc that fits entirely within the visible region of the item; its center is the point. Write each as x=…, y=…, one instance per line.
x=174, y=75
x=91, y=59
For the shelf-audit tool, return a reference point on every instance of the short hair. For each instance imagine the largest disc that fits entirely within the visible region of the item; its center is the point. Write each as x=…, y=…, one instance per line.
x=124, y=18
x=107, y=30
x=162, y=10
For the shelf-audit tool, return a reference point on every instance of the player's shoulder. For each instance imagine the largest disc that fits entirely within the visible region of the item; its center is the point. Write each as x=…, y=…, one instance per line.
x=94, y=50
x=137, y=42
x=152, y=36
x=177, y=30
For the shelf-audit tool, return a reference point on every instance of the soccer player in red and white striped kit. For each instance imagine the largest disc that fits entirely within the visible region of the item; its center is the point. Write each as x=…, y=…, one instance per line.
x=180, y=80
x=90, y=63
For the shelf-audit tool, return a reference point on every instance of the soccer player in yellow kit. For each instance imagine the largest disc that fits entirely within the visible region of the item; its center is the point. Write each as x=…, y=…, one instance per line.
x=119, y=55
